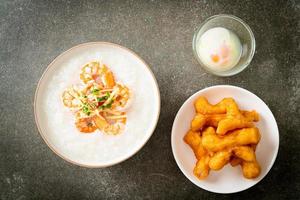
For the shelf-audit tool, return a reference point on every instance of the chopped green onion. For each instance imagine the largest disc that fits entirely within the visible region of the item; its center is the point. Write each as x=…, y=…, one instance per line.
x=107, y=105
x=86, y=109
x=95, y=91
x=99, y=99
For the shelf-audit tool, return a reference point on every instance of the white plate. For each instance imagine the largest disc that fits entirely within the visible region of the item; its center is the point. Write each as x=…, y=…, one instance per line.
x=56, y=123
x=229, y=179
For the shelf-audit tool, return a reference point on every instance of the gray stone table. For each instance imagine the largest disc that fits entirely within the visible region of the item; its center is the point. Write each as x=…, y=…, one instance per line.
x=33, y=33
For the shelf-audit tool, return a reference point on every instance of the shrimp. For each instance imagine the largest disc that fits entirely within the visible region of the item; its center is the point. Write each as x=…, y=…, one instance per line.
x=103, y=125
x=99, y=101
x=94, y=71
x=107, y=77
x=70, y=98
x=85, y=124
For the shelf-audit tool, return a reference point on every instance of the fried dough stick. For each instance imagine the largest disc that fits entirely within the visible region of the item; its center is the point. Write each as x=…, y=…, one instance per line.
x=204, y=107
x=233, y=118
x=221, y=158
x=245, y=156
x=212, y=142
x=229, y=124
x=200, y=120
x=193, y=139
x=202, y=169
x=250, y=169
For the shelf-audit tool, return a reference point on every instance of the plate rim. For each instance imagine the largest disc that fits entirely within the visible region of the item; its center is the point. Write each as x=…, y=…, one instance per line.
x=49, y=144
x=173, y=138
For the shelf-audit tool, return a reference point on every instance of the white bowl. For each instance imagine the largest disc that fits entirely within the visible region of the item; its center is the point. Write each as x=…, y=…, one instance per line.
x=56, y=123
x=229, y=179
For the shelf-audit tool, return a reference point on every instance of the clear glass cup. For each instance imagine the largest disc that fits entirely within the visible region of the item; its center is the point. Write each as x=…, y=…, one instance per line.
x=241, y=29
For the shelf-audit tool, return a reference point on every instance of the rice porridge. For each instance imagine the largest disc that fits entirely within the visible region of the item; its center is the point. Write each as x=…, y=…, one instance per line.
x=58, y=122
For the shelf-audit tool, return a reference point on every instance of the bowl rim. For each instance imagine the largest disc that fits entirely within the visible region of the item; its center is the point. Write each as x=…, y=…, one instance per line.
x=129, y=155
x=249, y=59
x=173, y=138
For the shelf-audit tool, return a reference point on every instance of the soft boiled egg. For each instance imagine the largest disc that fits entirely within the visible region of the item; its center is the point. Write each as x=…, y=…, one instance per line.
x=219, y=49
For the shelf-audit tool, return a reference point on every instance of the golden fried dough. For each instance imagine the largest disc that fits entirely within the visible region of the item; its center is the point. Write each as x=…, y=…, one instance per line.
x=213, y=120
x=250, y=115
x=231, y=107
x=222, y=134
x=202, y=169
x=193, y=139
x=200, y=120
x=202, y=106
x=200, y=151
x=212, y=142
x=241, y=153
x=219, y=159
x=246, y=153
x=229, y=124
x=234, y=118
x=250, y=169
x=234, y=161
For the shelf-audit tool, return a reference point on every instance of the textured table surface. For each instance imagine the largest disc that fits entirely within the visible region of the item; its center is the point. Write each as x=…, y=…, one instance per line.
x=33, y=33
